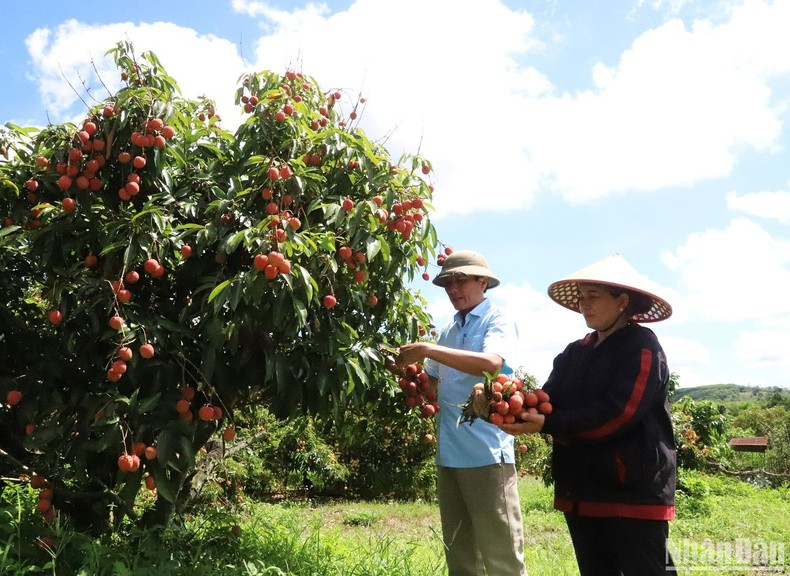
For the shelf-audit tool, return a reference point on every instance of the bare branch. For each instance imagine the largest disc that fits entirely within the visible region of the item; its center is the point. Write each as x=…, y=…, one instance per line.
x=72, y=87
x=98, y=76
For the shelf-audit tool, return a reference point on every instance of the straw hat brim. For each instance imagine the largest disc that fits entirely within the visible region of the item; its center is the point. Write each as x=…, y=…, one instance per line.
x=465, y=263
x=613, y=271
x=442, y=277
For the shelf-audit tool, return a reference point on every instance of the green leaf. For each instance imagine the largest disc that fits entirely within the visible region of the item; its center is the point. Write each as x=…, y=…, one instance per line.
x=354, y=369
x=233, y=241
x=216, y=291
x=301, y=311
x=8, y=230
x=310, y=285
x=43, y=436
x=372, y=246
x=140, y=214
x=175, y=450
x=110, y=438
x=165, y=487
x=131, y=487
x=259, y=159
x=322, y=381
x=147, y=404
x=193, y=227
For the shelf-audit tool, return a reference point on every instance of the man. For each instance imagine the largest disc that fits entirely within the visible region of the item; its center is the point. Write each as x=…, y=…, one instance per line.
x=477, y=483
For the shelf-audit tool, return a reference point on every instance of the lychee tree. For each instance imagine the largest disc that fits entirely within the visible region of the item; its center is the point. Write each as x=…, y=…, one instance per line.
x=160, y=273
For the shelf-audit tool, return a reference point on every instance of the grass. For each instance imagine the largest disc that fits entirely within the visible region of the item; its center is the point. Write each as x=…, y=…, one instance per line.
x=712, y=511
x=345, y=538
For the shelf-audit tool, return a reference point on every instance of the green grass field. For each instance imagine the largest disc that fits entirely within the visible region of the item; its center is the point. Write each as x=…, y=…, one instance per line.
x=719, y=515
x=716, y=517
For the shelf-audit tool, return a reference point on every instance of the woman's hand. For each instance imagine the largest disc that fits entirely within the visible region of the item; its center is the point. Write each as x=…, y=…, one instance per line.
x=532, y=424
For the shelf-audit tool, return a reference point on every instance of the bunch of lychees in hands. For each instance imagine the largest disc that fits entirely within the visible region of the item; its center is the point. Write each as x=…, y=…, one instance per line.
x=503, y=400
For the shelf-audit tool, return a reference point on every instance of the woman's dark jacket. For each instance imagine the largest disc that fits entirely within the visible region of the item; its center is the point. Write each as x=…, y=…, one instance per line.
x=614, y=450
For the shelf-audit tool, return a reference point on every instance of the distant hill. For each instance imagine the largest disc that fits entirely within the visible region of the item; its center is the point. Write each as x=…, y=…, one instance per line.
x=731, y=393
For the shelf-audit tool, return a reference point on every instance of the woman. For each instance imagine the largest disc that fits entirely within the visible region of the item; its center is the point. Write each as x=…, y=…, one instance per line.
x=613, y=458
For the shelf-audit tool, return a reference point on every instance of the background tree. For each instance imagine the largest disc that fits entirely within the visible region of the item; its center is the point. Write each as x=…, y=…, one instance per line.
x=159, y=272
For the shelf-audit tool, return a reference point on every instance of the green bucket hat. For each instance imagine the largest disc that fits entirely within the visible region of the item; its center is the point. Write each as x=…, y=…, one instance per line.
x=465, y=263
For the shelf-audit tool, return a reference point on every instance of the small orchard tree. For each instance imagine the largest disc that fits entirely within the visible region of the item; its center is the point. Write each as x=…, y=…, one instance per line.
x=700, y=433
x=160, y=272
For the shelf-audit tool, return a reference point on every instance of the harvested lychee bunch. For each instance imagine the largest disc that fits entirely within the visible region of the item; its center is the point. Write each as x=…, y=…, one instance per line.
x=504, y=400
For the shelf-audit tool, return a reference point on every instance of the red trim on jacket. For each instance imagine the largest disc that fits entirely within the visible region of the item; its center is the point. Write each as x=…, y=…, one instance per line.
x=628, y=412
x=615, y=509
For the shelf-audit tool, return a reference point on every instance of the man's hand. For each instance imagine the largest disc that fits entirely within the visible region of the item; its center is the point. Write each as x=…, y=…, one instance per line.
x=467, y=361
x=411, y=353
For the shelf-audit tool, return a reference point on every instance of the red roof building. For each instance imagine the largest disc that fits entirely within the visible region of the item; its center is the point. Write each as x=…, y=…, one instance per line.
x=751, y=444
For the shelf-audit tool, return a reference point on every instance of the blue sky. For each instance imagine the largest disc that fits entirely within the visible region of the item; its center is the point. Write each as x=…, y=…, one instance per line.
x=560, y=132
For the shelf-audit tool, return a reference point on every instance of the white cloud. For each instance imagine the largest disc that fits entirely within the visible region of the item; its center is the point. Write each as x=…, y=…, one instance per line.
x=740, y=273
x=447, y=86
x=765, y=349
x=677, y=109
x=545, y=328
x=252, y=8
x=771, y=205
x=686, y=357
x=675, y=6
x=202, y=65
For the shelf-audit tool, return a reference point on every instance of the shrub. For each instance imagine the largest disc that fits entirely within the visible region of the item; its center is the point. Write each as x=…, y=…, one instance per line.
x=772, y=421
x=700, y=433
x=380, y=455
x=691, y=494
x=388, y=452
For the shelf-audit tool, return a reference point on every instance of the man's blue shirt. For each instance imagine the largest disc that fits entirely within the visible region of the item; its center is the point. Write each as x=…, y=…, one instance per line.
x=485, y=329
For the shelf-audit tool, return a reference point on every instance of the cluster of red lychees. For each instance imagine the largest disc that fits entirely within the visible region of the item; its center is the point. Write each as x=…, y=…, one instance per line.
x=504, y=399
x=420, y=395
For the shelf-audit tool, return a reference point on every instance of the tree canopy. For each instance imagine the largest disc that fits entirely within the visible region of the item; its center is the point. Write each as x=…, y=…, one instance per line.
x=159, y=272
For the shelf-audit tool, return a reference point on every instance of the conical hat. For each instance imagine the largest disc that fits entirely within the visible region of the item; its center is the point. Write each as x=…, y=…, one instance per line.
x=612, y=271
